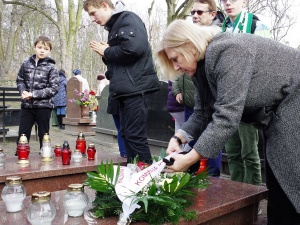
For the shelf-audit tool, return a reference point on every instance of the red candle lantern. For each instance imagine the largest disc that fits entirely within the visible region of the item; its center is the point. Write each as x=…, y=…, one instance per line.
x=57, y=150
x=91, y=151
x=203, y=165
x=23, y=150
x=66, y=154
x=81, y=143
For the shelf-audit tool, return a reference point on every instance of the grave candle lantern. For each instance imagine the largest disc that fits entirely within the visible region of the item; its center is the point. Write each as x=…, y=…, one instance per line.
x=75, y=200
x=46, y=149
x=41, y=210
x=13, y=194
x=66, y=154
x=91, y=151
x=23, y=150
x=81, y=143
x=203, y=165
x=77, y=156
x=57, y=150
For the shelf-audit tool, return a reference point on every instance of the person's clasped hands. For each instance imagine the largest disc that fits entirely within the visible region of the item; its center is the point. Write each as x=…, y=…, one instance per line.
x=26, y=95
x=99, y=47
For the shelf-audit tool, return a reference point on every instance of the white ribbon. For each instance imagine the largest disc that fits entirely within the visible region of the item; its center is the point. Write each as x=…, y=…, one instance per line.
x=136, y=183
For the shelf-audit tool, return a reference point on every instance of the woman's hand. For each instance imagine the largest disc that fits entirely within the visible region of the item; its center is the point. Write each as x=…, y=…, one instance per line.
x=173, y=146
x=183, y=161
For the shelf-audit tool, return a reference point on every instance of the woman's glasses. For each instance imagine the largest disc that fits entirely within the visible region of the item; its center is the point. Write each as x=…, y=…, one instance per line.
x=199, y=12
x=224, y=1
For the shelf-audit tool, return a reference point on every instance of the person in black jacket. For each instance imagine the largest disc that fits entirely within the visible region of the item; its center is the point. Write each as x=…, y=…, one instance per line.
x=130, y=69
x=37, y=82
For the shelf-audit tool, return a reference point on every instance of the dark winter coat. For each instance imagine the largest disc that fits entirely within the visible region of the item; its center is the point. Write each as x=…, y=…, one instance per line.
x=41, y=79
x=130, y=66
x=172, y=104
x=60, y=99
x=248, y=80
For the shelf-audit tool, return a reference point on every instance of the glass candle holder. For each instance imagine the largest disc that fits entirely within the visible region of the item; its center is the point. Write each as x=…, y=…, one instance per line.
x=77, y=156
x=46, y=152
x=13, y=194
x=57, y=150
x=75, y=200
x=91, y=151
x=66, y=154
x=41, y=210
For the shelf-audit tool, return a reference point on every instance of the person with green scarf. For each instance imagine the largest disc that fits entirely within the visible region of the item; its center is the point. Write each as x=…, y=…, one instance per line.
x=242, y=147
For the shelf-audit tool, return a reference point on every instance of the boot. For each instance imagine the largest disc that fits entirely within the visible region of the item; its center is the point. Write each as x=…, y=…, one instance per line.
x=59, y=120
x=62, y=125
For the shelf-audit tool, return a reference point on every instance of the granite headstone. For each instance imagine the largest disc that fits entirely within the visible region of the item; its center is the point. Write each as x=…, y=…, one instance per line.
x=73, y=110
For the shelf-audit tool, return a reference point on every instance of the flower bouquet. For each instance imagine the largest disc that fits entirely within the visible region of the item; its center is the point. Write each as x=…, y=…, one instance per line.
x=144, y=195
x=86, y=98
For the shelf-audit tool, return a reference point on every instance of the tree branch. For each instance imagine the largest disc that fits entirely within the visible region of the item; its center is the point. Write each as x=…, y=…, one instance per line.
x=31, y=7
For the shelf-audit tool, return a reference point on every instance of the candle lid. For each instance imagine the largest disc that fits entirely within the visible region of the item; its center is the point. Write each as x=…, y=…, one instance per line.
x=81, y=136
x=41, y=196
x=75, y=187
x=58, y=146
x=11, y=180
x=77, y=150
x=1, y=149
x=91, y=145
x=46, y=138
x=23, y=139
x=66, y=144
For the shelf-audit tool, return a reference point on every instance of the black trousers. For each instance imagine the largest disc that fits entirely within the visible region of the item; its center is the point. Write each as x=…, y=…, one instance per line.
x=29, y=116
x=280, y=209
x=133, y=119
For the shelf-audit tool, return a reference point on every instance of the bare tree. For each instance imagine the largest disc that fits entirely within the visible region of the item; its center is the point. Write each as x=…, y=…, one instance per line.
x=176, y=11
x=67, y=27
x=281, y=18
x=9, y=32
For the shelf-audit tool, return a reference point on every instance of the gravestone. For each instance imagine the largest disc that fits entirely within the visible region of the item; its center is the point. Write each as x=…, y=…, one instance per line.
x=74, y=110
x=74, y=123
x=160, y=126
x=105, y=130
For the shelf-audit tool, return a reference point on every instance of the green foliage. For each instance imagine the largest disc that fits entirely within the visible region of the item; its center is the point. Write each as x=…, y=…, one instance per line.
x=106, y=204
x=104, y=180
x=163, y=200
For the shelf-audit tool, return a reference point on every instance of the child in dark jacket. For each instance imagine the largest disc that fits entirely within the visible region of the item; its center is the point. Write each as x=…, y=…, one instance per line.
x=37, y=82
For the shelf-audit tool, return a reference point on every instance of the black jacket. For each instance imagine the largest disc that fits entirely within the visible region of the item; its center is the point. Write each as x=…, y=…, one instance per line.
x=130, y=66
x=41, y=80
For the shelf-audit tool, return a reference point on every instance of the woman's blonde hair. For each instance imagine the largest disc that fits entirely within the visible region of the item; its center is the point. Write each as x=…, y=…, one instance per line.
x=179, y=35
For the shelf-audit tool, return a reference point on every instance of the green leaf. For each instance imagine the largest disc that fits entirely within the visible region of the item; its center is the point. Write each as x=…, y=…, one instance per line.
x=183, y=181
x=152, y=189
x=104, y=180
x=173, y=184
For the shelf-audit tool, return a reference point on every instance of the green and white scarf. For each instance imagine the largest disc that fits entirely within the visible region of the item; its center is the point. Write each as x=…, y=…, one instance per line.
x=242, y=23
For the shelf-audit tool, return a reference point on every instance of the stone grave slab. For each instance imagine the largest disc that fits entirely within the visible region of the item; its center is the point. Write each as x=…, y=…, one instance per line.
x=52, y=176
x=224, y=202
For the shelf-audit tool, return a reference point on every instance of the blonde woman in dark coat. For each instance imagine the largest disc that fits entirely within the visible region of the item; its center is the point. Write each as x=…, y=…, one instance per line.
x=240, y=77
